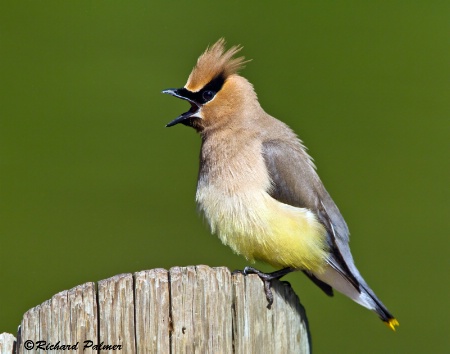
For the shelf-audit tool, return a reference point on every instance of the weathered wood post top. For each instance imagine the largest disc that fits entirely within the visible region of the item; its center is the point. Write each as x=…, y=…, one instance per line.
x=194, y=309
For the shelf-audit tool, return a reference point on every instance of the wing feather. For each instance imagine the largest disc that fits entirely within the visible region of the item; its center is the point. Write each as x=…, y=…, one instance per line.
x=295, y=182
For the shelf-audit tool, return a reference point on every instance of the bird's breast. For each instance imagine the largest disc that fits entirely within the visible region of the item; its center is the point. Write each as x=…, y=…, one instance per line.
x=233, y=196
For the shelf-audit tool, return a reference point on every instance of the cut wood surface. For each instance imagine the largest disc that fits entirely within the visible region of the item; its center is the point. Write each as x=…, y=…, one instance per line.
x=194, y=309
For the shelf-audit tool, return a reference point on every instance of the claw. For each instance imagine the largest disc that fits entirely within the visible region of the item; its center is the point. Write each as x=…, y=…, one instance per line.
x=266, y=279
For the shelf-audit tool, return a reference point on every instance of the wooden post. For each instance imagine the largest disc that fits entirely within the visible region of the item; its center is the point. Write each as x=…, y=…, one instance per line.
x=194, y=309
x=7, y=343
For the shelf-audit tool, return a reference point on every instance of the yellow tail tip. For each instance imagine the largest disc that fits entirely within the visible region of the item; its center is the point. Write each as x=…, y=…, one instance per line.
x=392, y=323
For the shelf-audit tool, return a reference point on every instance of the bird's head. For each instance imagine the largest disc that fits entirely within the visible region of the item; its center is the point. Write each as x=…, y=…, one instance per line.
x=214, y=89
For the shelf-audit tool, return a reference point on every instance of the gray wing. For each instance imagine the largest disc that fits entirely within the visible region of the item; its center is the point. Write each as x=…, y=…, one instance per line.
x=295, y=182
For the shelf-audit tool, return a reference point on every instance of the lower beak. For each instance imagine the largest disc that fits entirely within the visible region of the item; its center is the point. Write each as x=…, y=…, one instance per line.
x=186, y=115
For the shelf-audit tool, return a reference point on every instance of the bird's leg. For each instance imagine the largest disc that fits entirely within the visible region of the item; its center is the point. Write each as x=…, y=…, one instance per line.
x=267, y=279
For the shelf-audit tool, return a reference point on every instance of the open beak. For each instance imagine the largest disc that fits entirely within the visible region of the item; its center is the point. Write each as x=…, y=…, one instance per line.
x=195, y=108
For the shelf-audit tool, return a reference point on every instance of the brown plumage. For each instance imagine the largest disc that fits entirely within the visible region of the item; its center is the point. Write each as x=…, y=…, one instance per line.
x=214, y=61
x=257, y=186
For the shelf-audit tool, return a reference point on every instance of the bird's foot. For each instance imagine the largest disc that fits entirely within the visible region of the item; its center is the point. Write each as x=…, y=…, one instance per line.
x=266, y=279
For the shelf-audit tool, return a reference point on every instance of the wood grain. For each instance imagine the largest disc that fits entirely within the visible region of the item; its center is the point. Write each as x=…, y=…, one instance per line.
x=195, y=309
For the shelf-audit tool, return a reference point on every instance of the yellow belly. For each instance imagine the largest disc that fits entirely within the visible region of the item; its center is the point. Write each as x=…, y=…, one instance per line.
x=261, y=228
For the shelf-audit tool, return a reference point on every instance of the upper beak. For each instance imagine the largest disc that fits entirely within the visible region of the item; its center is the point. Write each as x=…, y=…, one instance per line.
x=192, y=111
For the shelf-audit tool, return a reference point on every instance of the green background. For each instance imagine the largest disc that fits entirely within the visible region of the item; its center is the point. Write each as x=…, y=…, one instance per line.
x=93, y=185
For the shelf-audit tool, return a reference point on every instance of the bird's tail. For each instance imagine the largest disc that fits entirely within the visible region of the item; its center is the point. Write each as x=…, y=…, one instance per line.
x=361, y=293
x=379, y=307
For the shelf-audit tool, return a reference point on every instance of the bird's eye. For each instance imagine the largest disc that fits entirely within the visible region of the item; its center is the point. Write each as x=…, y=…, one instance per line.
x=208, y=95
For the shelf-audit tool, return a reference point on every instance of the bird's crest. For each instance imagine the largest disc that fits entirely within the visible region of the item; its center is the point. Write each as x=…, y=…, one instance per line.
x=213, y=62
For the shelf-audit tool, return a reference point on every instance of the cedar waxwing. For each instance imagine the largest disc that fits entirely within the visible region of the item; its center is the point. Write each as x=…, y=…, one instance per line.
x=258, y=187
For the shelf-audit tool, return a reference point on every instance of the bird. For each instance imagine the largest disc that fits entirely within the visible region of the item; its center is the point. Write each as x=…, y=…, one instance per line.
x=258, y=188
